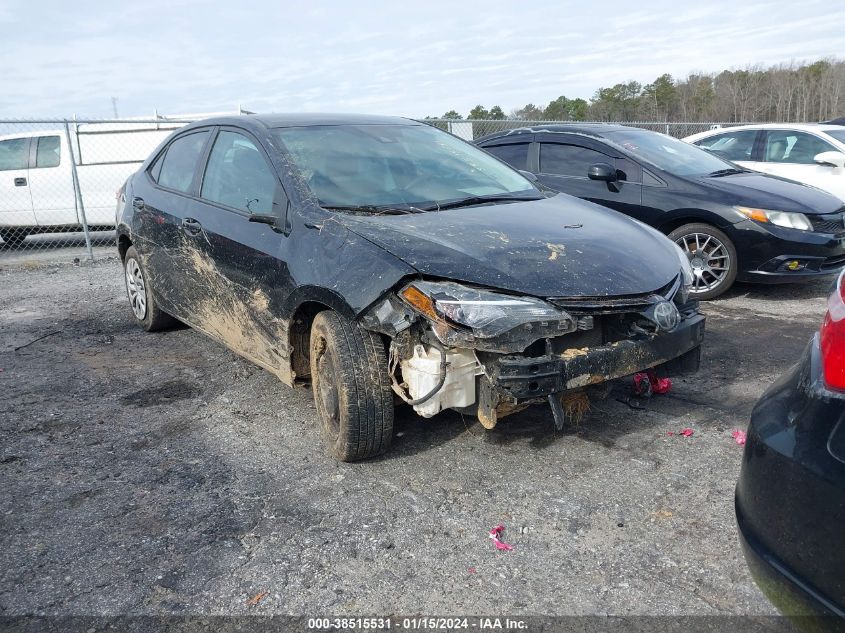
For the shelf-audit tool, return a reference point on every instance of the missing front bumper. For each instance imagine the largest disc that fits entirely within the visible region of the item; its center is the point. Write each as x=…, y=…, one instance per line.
x=524, y=378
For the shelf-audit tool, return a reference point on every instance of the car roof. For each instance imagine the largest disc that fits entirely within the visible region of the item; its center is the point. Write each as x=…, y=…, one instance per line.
x=301, y=119
x=588, y=129
x=808, y=127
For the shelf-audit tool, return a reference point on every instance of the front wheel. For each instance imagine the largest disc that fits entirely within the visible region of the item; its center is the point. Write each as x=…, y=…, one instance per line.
x=351, y=388
x=712, y=257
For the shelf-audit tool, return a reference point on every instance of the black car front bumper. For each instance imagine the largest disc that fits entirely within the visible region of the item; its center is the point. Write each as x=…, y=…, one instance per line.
x=527, y=378
x=764, y=251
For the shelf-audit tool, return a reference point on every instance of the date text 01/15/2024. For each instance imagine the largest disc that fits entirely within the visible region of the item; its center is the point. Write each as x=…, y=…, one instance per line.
x=417, y=623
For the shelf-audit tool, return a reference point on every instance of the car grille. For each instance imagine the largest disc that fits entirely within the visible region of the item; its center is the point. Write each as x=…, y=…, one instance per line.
x=829, y=223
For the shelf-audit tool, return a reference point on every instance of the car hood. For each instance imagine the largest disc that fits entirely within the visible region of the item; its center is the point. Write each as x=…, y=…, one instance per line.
x=553, y=247
x=753, y=189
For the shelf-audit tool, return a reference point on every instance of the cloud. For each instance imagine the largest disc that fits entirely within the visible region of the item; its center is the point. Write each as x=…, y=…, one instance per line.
x=395, y=58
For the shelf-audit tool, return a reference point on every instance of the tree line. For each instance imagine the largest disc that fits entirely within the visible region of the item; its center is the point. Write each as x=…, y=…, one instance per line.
x=785, y=92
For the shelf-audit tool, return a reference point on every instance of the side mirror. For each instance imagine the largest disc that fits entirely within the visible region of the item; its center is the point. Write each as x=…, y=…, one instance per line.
x=279, y=220
x=273, y=221
x=528, y=174
x=833, y=159
x=602, y=171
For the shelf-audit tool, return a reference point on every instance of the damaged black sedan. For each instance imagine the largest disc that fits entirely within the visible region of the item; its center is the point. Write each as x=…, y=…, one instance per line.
x=385, y=260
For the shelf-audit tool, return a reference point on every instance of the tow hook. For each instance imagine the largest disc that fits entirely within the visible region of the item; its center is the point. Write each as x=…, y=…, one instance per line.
x=557, y=411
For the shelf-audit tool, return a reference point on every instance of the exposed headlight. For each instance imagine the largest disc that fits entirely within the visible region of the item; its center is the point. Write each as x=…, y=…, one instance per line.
x=488, y=314
x=780, y=218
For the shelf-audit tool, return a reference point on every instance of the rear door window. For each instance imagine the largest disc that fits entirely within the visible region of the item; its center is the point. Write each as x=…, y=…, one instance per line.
x=13, y=154
x=514, y=154
x=180, y=161
x=569, y=160
x=789, y=146
x=48, y=152
x=735, y=146
x=237, y=175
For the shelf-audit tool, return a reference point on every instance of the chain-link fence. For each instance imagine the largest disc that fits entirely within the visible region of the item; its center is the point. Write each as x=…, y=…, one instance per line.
x=59, y=177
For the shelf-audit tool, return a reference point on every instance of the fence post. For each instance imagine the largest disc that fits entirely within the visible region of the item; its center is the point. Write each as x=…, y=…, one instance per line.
x=80, y=205
x=667, y=130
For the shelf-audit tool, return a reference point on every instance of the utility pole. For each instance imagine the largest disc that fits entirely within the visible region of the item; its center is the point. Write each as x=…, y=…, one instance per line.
x=114, y=106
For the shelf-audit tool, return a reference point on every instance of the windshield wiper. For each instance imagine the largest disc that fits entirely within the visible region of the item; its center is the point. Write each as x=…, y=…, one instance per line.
x=374, y=209
x=724, y=172
x=471, y=200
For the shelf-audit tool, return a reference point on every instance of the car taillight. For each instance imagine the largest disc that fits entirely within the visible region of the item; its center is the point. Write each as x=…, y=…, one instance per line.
x=832, y=337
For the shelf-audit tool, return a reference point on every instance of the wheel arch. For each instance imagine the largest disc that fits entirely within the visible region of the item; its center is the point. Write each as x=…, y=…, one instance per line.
x=679, y=217
x=307, y=303
x=123, y=244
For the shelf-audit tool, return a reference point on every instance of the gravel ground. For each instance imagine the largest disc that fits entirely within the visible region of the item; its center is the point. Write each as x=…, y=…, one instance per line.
x=159, y=473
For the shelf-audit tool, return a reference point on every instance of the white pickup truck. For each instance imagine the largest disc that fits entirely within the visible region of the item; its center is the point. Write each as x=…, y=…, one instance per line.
x=36, y=178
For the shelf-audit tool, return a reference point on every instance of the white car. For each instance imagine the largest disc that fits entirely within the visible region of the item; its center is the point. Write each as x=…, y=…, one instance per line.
x=37, y=193
x=810, y=153
x=36, y=180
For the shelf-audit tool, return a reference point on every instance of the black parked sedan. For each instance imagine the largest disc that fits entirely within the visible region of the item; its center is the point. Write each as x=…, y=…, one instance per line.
x=732, y=223
x=380, y=256
x=790, y=499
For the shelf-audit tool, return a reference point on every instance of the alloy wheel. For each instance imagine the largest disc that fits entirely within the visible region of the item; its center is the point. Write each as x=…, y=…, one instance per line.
x=709, y=259
x=136, y=289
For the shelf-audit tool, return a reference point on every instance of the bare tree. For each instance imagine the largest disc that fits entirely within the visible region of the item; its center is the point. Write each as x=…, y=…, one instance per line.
x=784, y=92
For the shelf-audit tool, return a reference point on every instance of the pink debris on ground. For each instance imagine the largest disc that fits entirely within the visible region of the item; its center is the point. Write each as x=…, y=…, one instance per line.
x=687, y=432
x=641, y=385
x=471, y=570
x=647, y=383
x=739, y=437
x=659, y=385
x=496, y=535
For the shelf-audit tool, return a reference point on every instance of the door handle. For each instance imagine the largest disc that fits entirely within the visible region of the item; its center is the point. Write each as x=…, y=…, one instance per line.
x=191, y=227
x=138, y=203
x=20, y=182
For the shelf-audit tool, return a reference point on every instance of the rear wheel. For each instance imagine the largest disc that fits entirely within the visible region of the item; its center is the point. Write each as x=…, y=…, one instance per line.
x=712, y=257
x=142, y=299
x=14, y=237
x=351, y=388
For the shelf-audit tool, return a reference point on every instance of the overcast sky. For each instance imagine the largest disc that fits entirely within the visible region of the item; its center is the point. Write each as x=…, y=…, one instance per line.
x=412, y=59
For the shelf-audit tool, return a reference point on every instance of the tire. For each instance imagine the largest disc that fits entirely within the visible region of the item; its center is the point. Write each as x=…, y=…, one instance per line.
x=14, y=237
x=717, y=249
x=351, y=388
x=139, y=290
